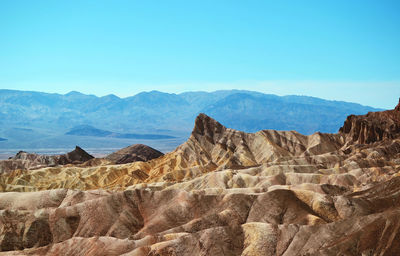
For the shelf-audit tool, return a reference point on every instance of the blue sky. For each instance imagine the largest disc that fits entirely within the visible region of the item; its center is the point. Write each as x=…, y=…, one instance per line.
x=344, y=50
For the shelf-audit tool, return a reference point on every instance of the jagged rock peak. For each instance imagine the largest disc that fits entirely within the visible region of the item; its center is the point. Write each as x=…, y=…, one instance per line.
x=205, y=125
x=78, y=154
x=19, y=154
x=397, y=108
x=372, y=127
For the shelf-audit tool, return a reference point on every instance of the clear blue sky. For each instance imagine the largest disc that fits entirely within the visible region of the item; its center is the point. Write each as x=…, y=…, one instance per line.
x=344, y=50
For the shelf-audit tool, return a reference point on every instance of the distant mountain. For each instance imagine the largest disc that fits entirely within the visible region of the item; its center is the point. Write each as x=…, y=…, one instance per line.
x=87, y=130
x=2, y=139
x=34, y=119
x=253, y=112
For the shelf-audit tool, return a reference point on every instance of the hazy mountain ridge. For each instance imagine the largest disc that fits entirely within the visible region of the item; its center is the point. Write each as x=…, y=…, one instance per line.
x=53, y=115
x=254, y=112
x=87, y=130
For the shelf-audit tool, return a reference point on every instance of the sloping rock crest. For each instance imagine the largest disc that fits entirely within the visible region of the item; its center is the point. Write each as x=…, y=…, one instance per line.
x=133, y=153
x=222, y=192
x=27, y=161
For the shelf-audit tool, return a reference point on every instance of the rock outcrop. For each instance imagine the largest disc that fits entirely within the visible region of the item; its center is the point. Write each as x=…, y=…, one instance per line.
x=222, y=192
x=372, y=127
x=27, y=161
x=133, y=153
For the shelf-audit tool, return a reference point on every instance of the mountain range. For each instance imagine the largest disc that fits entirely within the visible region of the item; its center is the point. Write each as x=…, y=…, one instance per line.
x=44, y=120
x=87, y=130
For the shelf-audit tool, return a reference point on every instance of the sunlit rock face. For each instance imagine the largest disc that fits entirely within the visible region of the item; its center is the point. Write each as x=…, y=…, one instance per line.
x=372, y=127
x=222, y=192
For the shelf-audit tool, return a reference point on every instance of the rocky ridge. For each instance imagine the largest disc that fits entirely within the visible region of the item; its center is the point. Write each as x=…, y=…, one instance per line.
x=222, y=192
x=28, y=161
x=134, y=153
x=375, y=126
